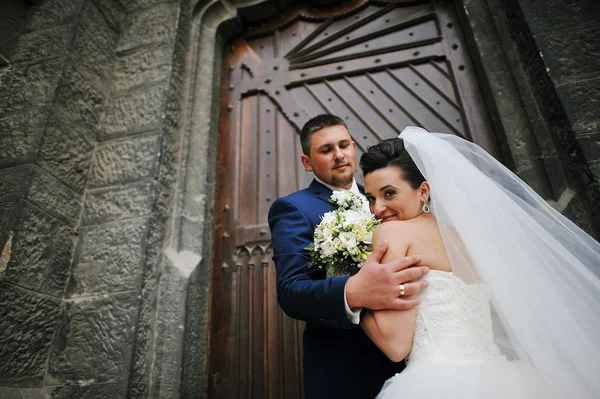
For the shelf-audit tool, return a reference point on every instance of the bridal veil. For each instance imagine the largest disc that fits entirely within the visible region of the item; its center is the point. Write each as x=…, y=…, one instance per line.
x=542, y=271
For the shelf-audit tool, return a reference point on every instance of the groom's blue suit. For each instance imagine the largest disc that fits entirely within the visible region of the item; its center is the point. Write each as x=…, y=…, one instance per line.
x=340, y=361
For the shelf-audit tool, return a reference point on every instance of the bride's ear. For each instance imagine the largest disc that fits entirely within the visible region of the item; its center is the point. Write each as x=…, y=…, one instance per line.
x=425, y=191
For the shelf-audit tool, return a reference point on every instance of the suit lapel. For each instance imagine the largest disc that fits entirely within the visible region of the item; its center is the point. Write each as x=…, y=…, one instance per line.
x=320, y=191
x=324, y=193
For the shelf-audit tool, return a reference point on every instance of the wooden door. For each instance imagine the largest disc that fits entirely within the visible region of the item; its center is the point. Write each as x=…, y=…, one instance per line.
x=379, y=65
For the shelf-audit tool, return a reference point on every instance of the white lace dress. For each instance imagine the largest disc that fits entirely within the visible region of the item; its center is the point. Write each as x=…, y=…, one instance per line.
x=453, y=353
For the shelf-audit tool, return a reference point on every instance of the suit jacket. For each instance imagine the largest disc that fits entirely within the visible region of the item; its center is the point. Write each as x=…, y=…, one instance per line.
x=339, y=359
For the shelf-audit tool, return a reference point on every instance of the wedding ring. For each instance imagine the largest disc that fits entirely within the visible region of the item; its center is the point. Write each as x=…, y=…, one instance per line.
x=401, y=289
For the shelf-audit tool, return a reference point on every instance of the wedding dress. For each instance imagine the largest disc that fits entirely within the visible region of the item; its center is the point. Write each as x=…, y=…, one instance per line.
x=454, y=354
x=519, y=317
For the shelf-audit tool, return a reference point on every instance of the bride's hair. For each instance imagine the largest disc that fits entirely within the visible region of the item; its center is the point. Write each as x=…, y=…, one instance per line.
x=391, y=152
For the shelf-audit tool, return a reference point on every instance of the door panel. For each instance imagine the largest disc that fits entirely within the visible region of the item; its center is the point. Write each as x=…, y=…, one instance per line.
x=381, y=66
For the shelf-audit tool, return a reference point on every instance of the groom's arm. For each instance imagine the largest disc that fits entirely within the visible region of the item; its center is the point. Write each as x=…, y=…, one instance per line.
x=301, y=291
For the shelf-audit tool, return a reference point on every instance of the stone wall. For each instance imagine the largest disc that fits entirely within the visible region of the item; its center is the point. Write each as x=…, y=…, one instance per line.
x=559, y=44
x=546, y=138
x=89, y=124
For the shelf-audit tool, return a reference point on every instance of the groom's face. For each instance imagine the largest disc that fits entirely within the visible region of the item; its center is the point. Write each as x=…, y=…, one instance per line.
x=332, y=156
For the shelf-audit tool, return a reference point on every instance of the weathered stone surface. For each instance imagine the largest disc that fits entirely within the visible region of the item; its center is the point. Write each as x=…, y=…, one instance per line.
x=137, y=111
x=590, y=145
x=110, y=259
x=65, y=153
x=575, y=212
x=138, y=391
x=582, y=102
x=571, y=54
x=31, y=85
x=54, y=197
x=94, y=340
x=553, y=15
x=42, y=44
x=150, y=26
x=137, y=4
x=169, y=331
x=142, y=67
x=79, y=100
x=58, y=269
x=51, y=13
x=124, y=161
x=98, y=28
x=8, y=215
x=196, y=330
x=92, y=59
x=13, y=182
x=27, y=323
x=14, y=13
x=33, y=393
x=34, y=237
x=20, y=136
x=141, y=368
x=108, y=205
x=10, y=393
x=93, y=391
x=112, y=11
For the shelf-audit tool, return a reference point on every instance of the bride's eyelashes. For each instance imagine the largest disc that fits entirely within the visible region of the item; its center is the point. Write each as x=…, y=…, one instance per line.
x=386, y=194
x=389, y=193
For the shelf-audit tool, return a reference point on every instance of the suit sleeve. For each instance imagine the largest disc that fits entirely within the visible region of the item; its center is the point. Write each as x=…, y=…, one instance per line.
x=302, y=292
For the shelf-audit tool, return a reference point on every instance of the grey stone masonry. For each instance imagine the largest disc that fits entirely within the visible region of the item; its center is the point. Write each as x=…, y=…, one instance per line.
x=88, y=172
x=559, y=45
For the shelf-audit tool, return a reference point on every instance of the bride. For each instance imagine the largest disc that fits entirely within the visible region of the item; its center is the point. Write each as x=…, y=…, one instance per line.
x=513, y=304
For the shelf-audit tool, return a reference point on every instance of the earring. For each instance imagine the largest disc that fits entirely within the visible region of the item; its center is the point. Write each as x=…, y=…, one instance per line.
x=425, y=208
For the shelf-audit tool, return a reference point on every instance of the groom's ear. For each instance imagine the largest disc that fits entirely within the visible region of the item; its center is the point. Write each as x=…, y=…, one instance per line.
x=306, y=163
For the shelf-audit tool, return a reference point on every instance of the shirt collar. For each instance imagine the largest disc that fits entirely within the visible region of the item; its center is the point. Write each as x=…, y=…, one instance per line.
x=353, y=189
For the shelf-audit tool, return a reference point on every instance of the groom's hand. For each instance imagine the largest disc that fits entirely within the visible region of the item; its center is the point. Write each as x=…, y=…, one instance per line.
x=377, y=285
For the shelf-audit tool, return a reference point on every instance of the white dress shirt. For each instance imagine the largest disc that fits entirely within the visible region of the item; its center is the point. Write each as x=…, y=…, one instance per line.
x=353, y=315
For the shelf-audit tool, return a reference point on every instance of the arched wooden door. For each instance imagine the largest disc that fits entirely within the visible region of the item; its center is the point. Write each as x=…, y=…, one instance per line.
x=379, y=65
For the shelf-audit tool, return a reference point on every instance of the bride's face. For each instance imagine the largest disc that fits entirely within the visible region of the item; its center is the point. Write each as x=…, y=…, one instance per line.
x=393, y=198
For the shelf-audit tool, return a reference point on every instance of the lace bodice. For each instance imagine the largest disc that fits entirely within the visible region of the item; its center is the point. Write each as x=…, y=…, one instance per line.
x=453, y=322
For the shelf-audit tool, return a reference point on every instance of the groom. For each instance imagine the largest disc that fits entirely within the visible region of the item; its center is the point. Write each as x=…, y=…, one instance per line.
x=339, y=359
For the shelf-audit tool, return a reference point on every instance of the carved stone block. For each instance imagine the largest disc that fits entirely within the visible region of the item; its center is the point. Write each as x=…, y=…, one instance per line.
x=27, y=323
x=136, y=112
x=79, y=100
x=52, y=13
x=20, y=135
x=582, y=102
x=110, y=259
x=124, y=161
x=145, y=66
x=65, y=153
x=42, y=44
x=553, y=15
x=53, y=197
x=90, y=391
x=154, y=25
x=93, y=343
x=33, y=240
x=571, y=54
x=103, y=206
x=31, y=85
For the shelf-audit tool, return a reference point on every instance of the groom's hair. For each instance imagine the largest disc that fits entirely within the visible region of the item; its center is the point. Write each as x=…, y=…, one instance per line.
x=317, y=123
x=391, y=152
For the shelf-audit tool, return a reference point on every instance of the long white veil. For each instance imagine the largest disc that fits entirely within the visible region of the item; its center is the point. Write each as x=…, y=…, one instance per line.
x=541, y=269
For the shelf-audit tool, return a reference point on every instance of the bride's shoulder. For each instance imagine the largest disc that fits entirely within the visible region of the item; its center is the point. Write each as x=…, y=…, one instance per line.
x=393, y=229
x=400, y=230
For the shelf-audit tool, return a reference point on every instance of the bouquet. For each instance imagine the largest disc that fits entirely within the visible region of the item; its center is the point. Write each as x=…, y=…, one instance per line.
x=343, y=240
